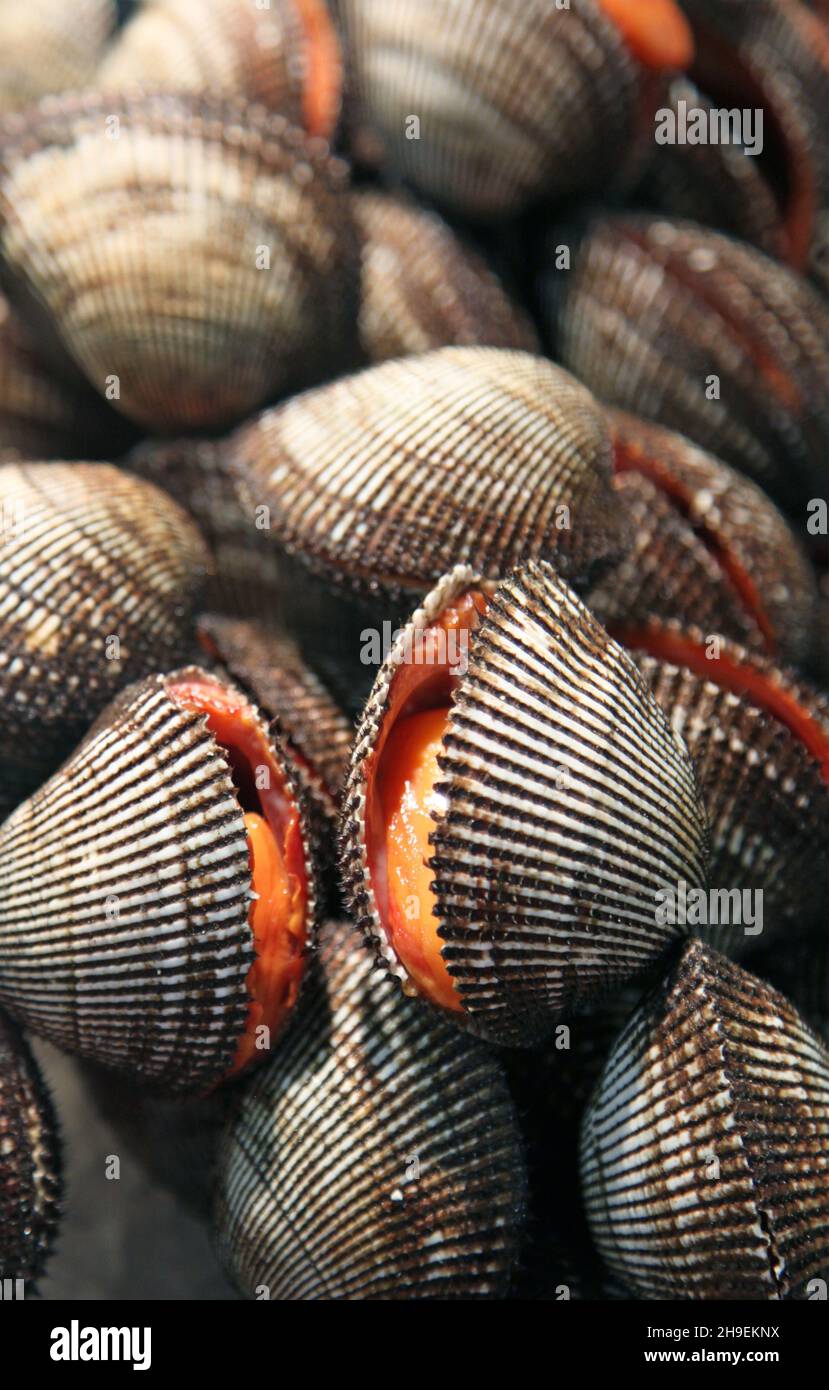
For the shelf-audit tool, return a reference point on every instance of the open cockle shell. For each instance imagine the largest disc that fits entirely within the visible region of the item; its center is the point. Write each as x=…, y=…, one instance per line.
x=566, y=803
x=485, y=105
x=128, y=913
x=705, y=1148
x=702, y=334
x=194, y=256
x=383, y=480
x=284, y=54
x=99, y=576
x=375, y=1157
x=30, y=1180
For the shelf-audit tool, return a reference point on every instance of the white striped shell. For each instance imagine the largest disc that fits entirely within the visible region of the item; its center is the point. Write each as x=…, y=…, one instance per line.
x=705, y=1148
x=375, y=1157
x=30, y=1162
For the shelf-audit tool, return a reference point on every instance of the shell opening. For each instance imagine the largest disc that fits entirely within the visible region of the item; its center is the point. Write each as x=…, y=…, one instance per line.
x=738, y=676
x=403, y=803
x=656, y=31
x=278, y=912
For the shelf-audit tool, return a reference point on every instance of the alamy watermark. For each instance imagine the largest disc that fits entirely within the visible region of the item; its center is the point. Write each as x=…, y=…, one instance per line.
x=680, y=906
x=701, y=125
x=434, y=646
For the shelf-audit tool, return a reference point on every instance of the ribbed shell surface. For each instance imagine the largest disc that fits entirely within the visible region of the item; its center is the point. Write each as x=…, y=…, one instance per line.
x=569, y=803
x=194, y=256
x=124, y=932
x=225, y=47
x=49, y=46
x=705, y=1149
x=375, y=1157
x=767, y=802
x=710, y=549
x=30, y=1183
x=513, y=97
x=384, y=480
x=422, y=288
x=704, y=335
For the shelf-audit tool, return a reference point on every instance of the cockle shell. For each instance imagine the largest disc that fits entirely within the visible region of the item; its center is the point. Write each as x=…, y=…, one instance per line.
x=375, y=1157
x=765, y=781
x=195, y=257
x=99, y=575
x=705, y=1149
x=423, y=289
x=567, y=803
x=284, y=54
x=484, y=105
x=49, y=46
x=383, y=480
x=124, y=922
x=704, y=335
x=30, y=1182
x=801, y=972
x=710, y=549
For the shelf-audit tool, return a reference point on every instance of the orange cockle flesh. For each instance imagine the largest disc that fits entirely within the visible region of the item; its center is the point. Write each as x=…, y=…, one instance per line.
x=403, y=804
x=738, y=676
x=323, y=79
x=656, y=31
x=278, y=912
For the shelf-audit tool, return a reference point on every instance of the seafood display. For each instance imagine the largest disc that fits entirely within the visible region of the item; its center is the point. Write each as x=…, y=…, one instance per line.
x=414, y=651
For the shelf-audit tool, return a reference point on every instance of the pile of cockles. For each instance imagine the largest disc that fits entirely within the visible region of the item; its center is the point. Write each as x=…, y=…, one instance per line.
x=414, y=636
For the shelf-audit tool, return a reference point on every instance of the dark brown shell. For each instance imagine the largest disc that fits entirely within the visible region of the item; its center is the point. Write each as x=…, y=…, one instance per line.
x=99, y=576
x=383, y=480
x=266, y=53
x=710, y=550
x=514, y=98
x=800, y=970
x=30, y=1181
x=124, y=924
x=705, y=1149
x=766, y=796
x=375, y=1157
x=568, y=803
x=423, y=289
x=194, y=257
x=655, y=316
x=49, y=46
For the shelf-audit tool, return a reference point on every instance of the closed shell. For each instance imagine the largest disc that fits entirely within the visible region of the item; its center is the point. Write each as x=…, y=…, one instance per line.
x=383, y=480
x=125, y=928
x=193, y=256
x=99, y=575
x=705, y=1149
x=30, y=1181
x=566, y=802
x=376, y=1156
x=422, y=288
x=701, y=334
x=49, y=46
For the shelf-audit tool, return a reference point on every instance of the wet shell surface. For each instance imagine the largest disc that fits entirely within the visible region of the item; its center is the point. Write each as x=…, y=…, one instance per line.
x=195, y=257
x=759, y=739
x=383, y=480
x=705, y=1149
x=30, y=1182
x=284, y=54
x=423, y=289
x=703, y=335
x=484, y=105
x=710, y=550
x=376, y=1156
x=134, y=882
x=49, y=46
x=99, y=575
x=561, y=802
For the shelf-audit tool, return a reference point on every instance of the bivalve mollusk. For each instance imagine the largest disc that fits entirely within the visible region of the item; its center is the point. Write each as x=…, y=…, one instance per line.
x=516, y=798
x=30, y=1164
x=383, y=480
x=705, y=1148
x=48, y=46
x=512, y=99
x=160, y=889
x=701, y=334
x=375, y=1157
x=194, y=256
